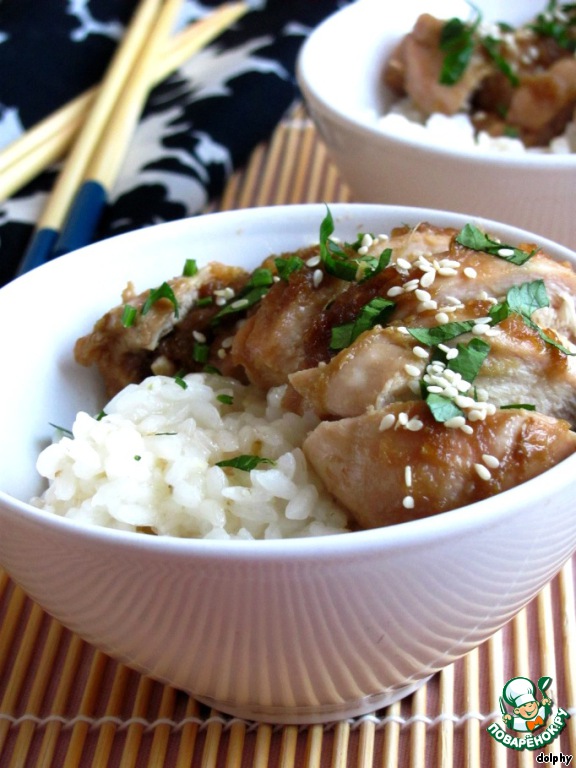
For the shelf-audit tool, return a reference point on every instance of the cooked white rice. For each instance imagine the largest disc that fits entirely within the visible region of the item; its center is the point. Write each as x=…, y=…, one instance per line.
x=150, y=464
x=457, y=131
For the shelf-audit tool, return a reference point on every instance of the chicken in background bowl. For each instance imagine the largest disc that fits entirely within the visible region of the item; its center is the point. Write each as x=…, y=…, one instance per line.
x=512, y=88
x=387, y=158
x=300, y=630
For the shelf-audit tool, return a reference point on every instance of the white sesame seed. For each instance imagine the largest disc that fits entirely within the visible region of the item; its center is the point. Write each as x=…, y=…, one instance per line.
x=490, y=461
x=422, y=295
x=474, y=414
x=403, y=263
x=455, y=422
x=313, y=261
x=402, y=419
x=411, y=285
x=482, y=472
x=239, y=303
x=412, y=370
x=428, y=277
x=408, y=502
x=408, y=475
x=227, y=342
x=446, y=271
x=431, y=304
x=402, y=329
x=220, y=301
x=450, y=391
x=396, y=290
x=452, y=353
x=414, y=425
x=221, y=354
x=480, y=329
x=467, y=429
x=363, y=250
x=452, y=263
x=199, y=337
x=317, y=277
x=485, y=319
x=367, y=240
x=435, y=389
x=462, y=401
x=470, y=272
x=387, y=422
x=420, y=352
x=442, y=318
x=505, y=252
x=414, y=386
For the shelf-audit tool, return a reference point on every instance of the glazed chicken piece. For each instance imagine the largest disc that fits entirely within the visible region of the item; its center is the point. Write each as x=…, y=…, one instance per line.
x=413, y=466
x=385, y=365
x=272, y=342
x=416, y=63
x=125, y=355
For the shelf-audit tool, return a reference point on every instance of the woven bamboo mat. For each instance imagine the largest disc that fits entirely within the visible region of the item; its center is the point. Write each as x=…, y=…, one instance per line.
x=65, y=705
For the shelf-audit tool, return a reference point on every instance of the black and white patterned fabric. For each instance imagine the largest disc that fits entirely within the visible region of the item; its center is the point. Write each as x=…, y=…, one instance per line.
x=198, y=126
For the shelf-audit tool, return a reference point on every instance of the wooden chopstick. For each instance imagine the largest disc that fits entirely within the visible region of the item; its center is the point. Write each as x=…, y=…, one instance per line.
x=47, y=141
x=53, y=216
x=109, y=147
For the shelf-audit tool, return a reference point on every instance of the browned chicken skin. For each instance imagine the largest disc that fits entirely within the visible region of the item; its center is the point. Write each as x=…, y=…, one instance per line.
x=370, y=391
x=406, y=473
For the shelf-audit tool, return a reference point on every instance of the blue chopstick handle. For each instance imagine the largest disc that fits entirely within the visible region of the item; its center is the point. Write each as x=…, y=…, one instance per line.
x=39, y=251
x=83, y=218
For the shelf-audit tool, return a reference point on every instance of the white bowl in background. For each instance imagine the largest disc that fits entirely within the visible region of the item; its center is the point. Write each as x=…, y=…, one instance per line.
x=289, y=631
x=339, y=72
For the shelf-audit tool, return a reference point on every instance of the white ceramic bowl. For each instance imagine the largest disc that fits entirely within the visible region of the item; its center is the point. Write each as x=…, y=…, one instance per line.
x=286, y=631
x=339, y=71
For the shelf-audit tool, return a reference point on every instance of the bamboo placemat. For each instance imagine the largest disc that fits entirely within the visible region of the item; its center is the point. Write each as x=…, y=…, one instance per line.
x=65, y=705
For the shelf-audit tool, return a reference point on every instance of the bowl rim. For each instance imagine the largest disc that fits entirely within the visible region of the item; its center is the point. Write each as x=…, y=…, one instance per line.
x=457, y=522
x=310, y=85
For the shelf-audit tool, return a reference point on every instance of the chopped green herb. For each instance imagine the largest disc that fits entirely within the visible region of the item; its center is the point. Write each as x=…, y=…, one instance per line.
x=205, y=301
x=245, y=462
x=128, y=315
x=439, y=334
x=162, y=292
x=180, y=381
x=557, y=21
x=473, y=238
x=212, y=369
x=335, y=259
x=470, y=358
x=200, y=352
x=190, y=268
x=524, y=300
x=225, y=399
x=137, y=458
x=100, y=416
x=373, y=313
x=492, y=47
x=457, y=42
x=369, y=266
x=442, y=408
x=525, y=406
x=287, y=266
x=63, y=430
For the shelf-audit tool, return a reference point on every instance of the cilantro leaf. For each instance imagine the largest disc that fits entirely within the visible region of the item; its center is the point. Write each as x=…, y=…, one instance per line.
x=473, y=238
x=245, y=462
x=286, y=267
x=373, y=313
x=457, y=43
x=442, y=408
x=470, y=358
x=164, y=291
x=438, y=334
